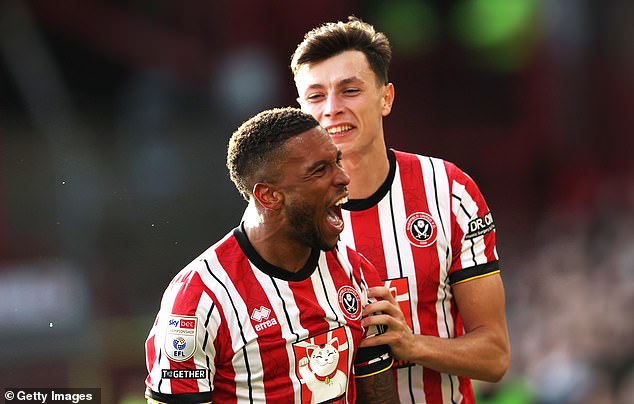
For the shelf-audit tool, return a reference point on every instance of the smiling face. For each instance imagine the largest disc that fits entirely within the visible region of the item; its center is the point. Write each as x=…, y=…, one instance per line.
x=344, y=95
x=313, y=184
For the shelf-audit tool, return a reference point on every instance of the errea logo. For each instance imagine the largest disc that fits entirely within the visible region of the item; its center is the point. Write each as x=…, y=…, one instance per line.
x=261, y=315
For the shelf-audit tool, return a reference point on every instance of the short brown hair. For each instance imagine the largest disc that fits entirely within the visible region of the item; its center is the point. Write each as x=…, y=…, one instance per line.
x=332, y=38
x=253, y=146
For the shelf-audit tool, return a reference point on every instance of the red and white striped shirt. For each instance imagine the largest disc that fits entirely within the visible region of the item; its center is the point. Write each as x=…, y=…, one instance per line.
x=425, y=229
x=233, y=328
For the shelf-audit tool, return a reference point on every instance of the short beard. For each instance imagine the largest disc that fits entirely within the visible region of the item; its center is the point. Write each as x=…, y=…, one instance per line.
x=300, y=216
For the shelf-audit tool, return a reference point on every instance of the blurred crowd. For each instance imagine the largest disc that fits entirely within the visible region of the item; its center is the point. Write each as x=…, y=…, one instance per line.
x=114, y=118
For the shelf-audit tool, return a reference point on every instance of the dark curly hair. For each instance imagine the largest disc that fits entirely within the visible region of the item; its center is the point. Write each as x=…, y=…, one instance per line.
x=332, y=38
x=258, y=143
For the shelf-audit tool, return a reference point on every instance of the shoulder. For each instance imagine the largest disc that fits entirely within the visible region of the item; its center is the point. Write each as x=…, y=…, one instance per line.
x=431, y=166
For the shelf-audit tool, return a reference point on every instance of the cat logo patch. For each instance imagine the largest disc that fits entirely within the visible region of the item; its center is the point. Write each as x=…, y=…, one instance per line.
x=180, y=337
x=322, y=366
x=350, y=302
x=421, y=229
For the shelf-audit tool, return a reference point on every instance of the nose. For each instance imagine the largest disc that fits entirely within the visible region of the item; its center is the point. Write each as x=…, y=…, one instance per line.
x=342, y=177
x=332, y=106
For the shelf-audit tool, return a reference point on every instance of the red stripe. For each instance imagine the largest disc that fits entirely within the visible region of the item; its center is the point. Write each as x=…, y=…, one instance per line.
x=185, y=304
x=466, y=390
x=224, y=380
x=424, y=257
x=367, y=237
x=277, y=382
x=150, y=358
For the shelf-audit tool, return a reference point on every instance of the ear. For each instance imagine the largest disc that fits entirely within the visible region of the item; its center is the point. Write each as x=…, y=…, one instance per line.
x=267, y=196
x=388, y=99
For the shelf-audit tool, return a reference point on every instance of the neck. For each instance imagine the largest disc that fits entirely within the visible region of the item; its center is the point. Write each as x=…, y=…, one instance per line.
x=367, y=171
x=271, y=241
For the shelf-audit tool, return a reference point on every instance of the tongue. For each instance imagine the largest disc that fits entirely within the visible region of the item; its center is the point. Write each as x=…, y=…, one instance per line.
x=334, y=219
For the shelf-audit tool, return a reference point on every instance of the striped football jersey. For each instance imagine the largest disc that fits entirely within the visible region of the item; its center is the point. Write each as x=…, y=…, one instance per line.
x=233, y=328
x=426, y=228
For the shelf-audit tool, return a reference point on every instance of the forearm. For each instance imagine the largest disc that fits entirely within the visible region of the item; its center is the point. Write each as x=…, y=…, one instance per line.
x=481, y=354
x=377, y=389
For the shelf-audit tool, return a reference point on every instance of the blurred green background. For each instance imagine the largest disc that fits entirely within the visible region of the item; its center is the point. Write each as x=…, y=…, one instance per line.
x=114, y=120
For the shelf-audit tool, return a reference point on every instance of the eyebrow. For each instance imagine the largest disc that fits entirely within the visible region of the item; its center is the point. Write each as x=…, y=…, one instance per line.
x=316, y=164
x=342, y=82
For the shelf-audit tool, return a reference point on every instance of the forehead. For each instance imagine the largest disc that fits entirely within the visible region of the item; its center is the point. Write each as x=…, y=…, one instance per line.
x=337, y=69
x=309, y=147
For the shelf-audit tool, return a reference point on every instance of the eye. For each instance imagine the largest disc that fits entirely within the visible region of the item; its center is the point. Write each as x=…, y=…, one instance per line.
x=352, y=91
x=314, y=97
x=320, y=170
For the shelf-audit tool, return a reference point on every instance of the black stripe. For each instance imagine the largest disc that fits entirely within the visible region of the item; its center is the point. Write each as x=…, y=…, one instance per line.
x=193, y=398
x=288, y=318
x=323, y=285
x=159, y=361
x=208, y=362
x=244, y=340
x=411, y=389
x=472, y=272
x=448, y=258
x=398, y=249
x=211, y=310
x=473, y=255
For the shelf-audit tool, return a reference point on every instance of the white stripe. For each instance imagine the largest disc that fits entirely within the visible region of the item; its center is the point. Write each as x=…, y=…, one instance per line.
x=159, y=341
x=269, y=284
x=444, y=320
x=204, y=305
x=387, y=234
x=233, y=322
x=417, y=385
x=473, y=252
x=347, y=233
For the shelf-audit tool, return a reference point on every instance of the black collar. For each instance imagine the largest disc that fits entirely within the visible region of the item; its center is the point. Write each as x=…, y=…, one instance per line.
x=270, y=269
x=375, y=198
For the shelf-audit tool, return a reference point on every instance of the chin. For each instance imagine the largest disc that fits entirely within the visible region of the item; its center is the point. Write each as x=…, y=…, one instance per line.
x=327, y=246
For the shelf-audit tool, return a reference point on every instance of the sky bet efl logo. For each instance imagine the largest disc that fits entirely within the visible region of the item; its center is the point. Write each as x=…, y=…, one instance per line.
x=180, y=337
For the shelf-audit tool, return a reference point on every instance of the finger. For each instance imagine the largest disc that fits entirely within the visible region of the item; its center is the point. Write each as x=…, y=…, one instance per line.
x=381, y=292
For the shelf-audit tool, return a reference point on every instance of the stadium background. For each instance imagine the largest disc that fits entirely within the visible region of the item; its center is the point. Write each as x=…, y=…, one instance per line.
x=114, y=118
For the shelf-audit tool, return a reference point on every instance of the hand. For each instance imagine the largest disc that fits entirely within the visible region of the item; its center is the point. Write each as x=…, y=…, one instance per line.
x=385, y=311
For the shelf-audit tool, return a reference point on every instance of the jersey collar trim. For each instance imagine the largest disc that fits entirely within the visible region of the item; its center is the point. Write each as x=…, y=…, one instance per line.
x=375, y=198
x=270, y=269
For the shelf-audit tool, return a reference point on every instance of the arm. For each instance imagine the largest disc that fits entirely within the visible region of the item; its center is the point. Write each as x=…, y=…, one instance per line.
x=482, y=353
x=378, y=388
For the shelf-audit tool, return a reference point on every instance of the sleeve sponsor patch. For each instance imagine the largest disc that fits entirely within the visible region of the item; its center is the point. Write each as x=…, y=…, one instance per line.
x=480, y=226
x=180, y=337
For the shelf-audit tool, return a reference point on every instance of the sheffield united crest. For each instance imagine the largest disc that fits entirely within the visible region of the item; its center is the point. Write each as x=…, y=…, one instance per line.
x=421, y=229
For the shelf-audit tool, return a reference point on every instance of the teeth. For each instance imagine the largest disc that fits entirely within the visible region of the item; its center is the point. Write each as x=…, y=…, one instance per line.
x=338, y=129
x=341, y=201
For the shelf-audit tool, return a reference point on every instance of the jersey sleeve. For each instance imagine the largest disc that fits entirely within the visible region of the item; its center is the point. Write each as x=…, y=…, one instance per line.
x=473, y=230
x=179, y=349
x=377, y=359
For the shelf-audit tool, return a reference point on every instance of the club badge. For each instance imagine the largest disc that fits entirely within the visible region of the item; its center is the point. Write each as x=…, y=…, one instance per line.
x=421, y=229
x=350, y=302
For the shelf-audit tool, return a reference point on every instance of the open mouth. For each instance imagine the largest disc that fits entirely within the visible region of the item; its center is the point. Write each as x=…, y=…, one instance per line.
x=334, y=217
x=339, y=129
